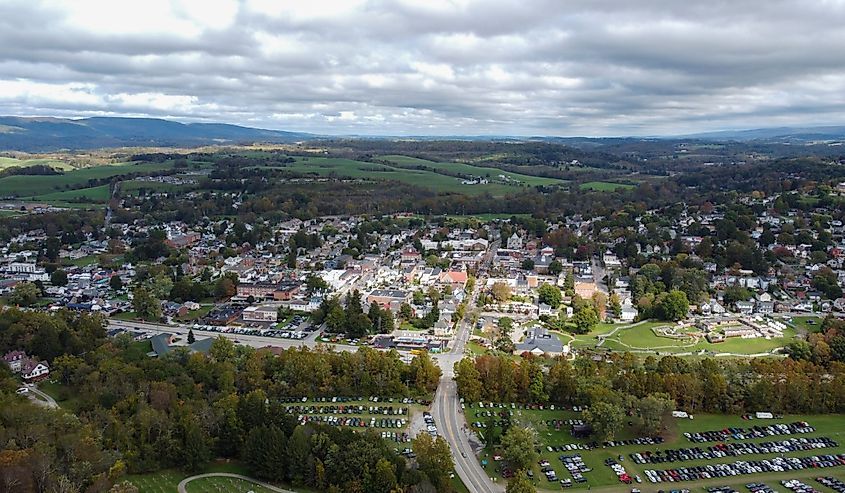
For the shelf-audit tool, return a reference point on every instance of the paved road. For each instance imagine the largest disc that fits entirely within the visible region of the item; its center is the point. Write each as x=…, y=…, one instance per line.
x=42, y=398
x=447, y=412
x=181, y=488
x=598, y=275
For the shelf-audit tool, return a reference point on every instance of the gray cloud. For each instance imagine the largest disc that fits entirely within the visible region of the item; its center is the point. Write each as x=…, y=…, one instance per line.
x=597, y=67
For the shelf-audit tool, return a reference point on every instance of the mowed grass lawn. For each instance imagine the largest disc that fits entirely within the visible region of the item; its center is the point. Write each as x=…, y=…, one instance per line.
x=224, y=485
x=641, y=337
x=832, y=426
x=30, y=186
x=809, y=323
x=605, y=186
x=166, y=481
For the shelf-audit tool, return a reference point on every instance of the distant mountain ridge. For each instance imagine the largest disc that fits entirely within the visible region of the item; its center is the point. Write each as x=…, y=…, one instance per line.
x=49, y=134
x=797, y=134
x=44, y=134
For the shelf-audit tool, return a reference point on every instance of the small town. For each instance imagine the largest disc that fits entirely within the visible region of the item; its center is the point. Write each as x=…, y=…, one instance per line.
x=406, y=246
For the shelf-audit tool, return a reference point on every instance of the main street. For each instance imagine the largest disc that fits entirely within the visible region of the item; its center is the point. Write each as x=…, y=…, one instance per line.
x=446, y=408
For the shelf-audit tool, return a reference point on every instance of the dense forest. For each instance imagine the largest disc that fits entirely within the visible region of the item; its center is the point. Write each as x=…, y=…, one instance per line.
x=139, y=414
x=730, y=386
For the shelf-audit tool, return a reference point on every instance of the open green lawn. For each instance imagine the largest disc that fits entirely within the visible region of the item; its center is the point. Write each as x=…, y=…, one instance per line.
x=641, y=337
x=167, y=480
x=82, y=261
x=223, y=484
x=809, y=323
x=61, y=394
x=605, y=186
x=196, y=314
x=832, y=426
x=30, y=186
x=128, y=316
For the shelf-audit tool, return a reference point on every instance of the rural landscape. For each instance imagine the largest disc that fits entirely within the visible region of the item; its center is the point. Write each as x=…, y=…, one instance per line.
x=421, y=247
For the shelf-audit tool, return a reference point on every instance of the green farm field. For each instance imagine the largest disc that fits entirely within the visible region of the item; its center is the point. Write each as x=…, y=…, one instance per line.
x=32, y=186
x=491, y=173
x=603, y=479
x=323, y=166
x=99, y=194
x=8, y=162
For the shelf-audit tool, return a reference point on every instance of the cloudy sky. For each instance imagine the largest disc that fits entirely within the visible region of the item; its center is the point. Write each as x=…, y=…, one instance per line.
x=506, y=67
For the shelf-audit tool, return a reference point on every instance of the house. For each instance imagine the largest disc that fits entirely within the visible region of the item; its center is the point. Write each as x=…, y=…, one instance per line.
x=745, y=307
x=539, y=341
x=544, y=309
x=34, y=371
x=410, y=255
x=15, y=359
x=514, y=242
x=629, y=312
x=764, y=307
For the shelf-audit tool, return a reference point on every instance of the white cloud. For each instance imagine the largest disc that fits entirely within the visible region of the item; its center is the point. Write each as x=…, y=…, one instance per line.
x=598, y=67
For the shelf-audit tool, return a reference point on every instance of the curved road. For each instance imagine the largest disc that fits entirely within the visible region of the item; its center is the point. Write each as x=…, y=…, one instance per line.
x=181, y=488
x=43, y=399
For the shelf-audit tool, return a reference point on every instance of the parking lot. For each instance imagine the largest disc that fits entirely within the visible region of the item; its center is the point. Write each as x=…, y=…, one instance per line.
x=390, y=417
x=822, y=435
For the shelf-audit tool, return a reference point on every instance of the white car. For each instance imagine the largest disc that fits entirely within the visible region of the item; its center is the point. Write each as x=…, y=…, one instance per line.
x=22, y=390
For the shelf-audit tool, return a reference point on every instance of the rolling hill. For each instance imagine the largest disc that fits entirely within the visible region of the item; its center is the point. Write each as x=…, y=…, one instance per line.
x=49, y=134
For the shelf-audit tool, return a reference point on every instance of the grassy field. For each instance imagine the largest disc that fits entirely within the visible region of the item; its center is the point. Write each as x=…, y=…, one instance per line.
x=82, y=261
x=9, y=162
x=195, y=314
x=167, y=480
x=832, y=426
x=133, y=186
x=642, y=338
x=31, y=186
x=605, y=186
x=487, y=172
x=98, y=194
x=60, y=394
x=221, y=484
x=809, y=323
x=432, y=180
